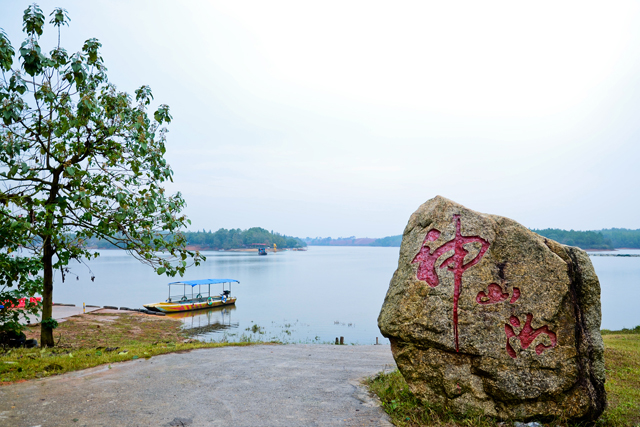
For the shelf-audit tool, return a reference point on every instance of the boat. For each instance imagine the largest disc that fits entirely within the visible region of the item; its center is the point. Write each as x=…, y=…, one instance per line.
x=262, y=248
x=196, y=299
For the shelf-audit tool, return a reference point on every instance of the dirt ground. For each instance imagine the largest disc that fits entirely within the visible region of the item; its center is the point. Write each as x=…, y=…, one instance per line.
x=100, y=329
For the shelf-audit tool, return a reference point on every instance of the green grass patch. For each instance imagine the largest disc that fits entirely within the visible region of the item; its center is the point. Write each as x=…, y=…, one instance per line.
x=92, y=339
x=623, y=331
x=406, y=410
x=25, y=364
x=622, y=364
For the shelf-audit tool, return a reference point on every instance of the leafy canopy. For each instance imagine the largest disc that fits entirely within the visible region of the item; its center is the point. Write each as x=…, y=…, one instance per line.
x=80, y=159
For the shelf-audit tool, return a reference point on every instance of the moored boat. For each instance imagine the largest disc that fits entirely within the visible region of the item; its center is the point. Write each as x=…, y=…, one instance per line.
x=196, y=300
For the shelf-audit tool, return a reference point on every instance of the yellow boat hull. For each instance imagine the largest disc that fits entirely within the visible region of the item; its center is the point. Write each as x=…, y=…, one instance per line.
x=177, y=307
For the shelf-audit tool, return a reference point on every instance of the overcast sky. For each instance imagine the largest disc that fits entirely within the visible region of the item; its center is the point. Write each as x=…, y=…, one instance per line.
x=341, y=118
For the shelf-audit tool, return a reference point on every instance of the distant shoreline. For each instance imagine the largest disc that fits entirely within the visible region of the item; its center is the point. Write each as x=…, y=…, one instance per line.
x=200, y=248
x=611, y=250
x=205, y=248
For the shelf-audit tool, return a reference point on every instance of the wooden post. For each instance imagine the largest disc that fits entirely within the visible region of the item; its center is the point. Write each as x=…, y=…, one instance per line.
x=376, y=340
x=337, y=341
x=341, y=340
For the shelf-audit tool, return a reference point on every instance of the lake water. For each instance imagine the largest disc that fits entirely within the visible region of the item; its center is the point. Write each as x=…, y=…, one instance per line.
x=620, y=283
x=312, y=296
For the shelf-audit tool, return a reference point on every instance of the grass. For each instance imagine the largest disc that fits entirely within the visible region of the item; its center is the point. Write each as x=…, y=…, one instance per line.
x=405, y=409
x=96, y=339
x=622, y=364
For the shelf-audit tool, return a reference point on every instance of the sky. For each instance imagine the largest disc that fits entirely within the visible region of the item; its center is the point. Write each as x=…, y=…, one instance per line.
x=341, y=118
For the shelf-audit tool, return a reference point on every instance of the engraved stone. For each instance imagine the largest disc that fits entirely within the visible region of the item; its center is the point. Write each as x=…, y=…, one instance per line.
x=482, y=313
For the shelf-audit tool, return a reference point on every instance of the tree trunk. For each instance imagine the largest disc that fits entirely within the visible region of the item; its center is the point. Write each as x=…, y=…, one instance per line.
x=46, y=333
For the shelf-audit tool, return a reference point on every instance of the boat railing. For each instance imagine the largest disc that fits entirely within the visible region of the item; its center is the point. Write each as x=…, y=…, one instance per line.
x=203, y=297
x=200, y=293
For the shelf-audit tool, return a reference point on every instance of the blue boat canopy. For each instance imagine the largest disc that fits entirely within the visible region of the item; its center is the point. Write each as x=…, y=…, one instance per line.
x=203, y=282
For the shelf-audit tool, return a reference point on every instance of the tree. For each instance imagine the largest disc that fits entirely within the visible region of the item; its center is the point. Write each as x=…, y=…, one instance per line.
x=79, y=159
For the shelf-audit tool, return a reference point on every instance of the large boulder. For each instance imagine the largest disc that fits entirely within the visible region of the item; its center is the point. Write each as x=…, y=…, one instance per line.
x=484, y=314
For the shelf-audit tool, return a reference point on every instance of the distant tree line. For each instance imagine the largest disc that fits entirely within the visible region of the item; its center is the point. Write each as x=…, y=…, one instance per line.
x=224, y=239
x=598, y=239
x=340, y=241
x=96, y=243
x=354, y=241
x=237, y=239
x=622, y=237
x=581, y=239
x=388, y=241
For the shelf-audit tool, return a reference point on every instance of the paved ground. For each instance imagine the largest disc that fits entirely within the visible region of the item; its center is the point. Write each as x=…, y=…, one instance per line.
x=263, y=385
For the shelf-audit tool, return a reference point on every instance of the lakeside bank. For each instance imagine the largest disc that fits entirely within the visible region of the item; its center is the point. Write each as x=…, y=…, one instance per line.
x=160, y=361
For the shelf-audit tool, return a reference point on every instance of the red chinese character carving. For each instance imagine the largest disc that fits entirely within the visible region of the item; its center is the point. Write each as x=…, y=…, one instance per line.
x=455, y=263
x=527, y=335
x=495, y=295
x=515, y=296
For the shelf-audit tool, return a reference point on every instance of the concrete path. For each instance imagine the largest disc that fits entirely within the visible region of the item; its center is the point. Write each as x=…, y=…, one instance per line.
x=262, y=385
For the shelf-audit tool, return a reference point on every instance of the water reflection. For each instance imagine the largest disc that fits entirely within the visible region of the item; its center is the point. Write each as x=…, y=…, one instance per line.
x=203, y=322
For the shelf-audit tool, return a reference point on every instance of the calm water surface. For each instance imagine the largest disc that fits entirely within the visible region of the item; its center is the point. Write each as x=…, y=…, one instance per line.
x=620, y=283
x=312, y=296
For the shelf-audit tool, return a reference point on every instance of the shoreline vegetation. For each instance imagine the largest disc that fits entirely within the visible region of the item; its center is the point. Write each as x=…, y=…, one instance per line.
x=250, y=239
x=223, y=239
x=604, y=240
x=622, y=364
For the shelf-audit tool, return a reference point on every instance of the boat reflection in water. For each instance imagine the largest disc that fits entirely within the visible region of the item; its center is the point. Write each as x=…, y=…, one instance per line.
x=201, y=322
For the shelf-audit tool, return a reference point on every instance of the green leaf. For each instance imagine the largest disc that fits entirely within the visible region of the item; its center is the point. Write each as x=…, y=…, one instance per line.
x=6, y=52
x=91, y=47
x=33, y=20
x=60, y=17
x=144, y=95
x=59, y=57
x=50, y=323
x=162, y=114
x=32, y=58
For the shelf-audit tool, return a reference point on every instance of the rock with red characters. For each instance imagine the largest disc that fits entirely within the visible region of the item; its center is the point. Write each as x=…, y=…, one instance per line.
x=484, y=314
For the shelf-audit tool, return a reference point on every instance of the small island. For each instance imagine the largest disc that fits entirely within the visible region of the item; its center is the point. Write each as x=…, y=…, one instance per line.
x=237, y=239
x=224, y=240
